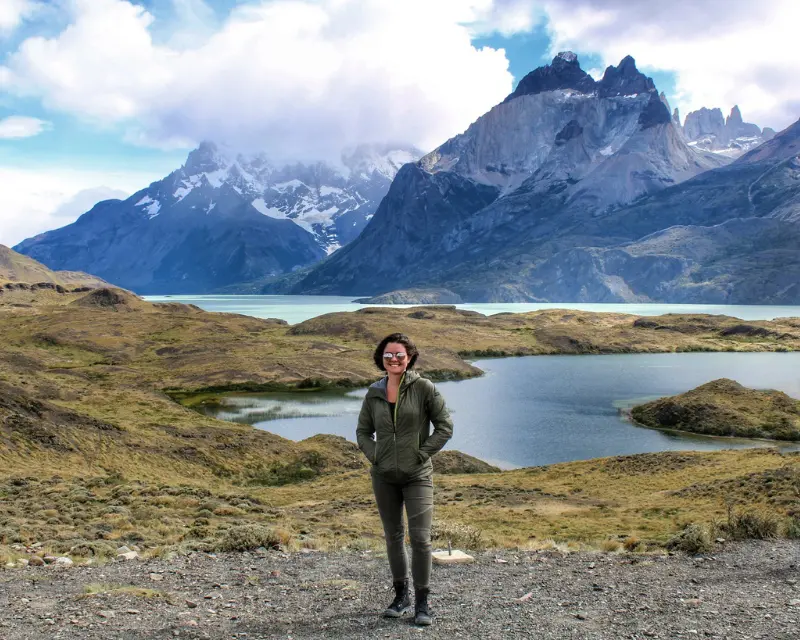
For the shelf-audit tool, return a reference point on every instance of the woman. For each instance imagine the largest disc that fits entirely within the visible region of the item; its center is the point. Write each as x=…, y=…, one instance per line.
x=398, y=410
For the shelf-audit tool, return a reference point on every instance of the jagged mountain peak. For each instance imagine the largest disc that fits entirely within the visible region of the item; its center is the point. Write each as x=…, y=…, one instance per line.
x=564, y=72
x=735, y=117
x=624, y=80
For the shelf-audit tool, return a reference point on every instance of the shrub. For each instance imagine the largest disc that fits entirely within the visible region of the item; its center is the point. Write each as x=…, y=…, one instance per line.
x=248, y=538
x=693, y=539
x=793, y=528
x=459, y=535
x=751, y=525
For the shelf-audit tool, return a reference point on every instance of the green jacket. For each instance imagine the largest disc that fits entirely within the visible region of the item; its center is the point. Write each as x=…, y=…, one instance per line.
x=401, y=450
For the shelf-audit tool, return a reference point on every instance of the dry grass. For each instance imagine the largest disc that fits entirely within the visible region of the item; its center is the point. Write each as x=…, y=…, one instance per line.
x=94, y=451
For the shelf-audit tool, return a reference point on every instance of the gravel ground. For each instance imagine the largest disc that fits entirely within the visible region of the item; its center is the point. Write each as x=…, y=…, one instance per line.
x=747, y=590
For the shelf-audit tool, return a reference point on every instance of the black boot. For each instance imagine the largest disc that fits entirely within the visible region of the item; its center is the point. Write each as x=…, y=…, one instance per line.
x=422, y=615
x=401, y=603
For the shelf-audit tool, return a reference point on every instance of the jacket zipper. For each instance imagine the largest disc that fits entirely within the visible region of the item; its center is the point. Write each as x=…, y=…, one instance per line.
x=394, y=422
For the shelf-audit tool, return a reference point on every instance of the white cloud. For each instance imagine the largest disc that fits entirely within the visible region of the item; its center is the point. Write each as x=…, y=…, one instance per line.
x=13, y=12
x=299, y=78
x=34, y=201
x=21, y=127
x=723, y=52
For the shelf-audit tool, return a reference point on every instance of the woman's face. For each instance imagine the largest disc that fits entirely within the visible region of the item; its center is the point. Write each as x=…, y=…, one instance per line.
x=398, y=361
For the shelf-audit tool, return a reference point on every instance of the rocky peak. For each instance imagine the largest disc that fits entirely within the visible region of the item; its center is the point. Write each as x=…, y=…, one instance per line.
x=676, y=118
x=703, y=122
x=735, y=117
x=204, y=159
x=564, y=72
x=624, y=80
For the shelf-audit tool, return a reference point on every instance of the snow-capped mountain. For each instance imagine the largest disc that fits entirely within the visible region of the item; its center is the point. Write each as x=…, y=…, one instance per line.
x=333, y=203
x=731, y=137
x=224, y=219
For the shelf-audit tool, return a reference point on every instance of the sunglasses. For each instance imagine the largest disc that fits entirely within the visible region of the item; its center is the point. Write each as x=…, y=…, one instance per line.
x=399, y=355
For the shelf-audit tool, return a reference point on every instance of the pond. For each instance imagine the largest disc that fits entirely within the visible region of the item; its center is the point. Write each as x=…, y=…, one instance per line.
x=543, y=409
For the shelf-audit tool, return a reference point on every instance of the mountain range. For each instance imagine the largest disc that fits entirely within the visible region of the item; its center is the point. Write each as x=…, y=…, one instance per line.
x=580, y=190
x=570, y=189
x=222, y=219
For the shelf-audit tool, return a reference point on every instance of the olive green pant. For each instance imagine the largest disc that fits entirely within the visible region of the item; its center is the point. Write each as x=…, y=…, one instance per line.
x=417, y=496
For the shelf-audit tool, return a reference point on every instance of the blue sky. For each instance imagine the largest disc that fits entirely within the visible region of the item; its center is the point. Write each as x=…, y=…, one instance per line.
x=112, y=94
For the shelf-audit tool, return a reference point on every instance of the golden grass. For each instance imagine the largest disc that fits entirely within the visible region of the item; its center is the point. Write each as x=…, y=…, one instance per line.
x=94, y=449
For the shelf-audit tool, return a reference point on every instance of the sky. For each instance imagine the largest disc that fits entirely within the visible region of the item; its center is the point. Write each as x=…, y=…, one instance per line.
x=98, y=98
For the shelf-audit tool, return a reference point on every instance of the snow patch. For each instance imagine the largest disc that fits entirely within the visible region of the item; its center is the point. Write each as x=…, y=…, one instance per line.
x=261, y=206
x=151, y=207
x=326, y=191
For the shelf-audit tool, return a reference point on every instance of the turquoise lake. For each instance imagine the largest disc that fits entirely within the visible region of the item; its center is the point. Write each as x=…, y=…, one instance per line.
x=544, y=409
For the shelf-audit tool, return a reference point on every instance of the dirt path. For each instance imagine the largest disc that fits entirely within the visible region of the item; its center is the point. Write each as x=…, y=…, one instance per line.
x=749, y=590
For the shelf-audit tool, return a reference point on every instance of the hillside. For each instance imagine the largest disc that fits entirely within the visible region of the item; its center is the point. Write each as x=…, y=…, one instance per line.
x=18, y=268
x=725, y=408
x=94, y=448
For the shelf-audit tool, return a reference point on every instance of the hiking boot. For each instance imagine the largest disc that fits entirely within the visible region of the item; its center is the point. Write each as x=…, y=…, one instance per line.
x=401, y=603
x=422, y=615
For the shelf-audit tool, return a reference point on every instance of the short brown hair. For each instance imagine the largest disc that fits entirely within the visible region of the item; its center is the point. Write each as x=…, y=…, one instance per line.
x=399, y=338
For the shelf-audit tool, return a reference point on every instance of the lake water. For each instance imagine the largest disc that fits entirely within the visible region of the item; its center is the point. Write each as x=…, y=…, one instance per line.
x=296, y=309
x=544, y=409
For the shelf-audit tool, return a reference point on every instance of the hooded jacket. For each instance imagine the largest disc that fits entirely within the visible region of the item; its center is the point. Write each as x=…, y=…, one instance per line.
x=401, y=449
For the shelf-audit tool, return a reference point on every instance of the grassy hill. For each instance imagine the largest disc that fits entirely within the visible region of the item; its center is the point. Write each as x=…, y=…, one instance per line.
x=94, y=449
x=17, y=269
x=725, y=408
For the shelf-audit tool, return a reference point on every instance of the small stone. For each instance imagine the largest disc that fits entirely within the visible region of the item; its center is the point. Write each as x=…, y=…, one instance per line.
x=156, y=577
x=794, y=603
x=526, y=597
x=130, y=555
x=122, y=550
x=275, y=573
x=36, y=561
x=106, y=613
x=191, y=605
x=581, y=616
x=133, y=612
x=720, y=540
x=191, y=623
x=64, y=562
x=49, y=559
x=500, y=561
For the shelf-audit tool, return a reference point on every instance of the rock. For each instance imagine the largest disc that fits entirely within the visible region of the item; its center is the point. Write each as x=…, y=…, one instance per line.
x=63, y=561
x=36, y=561
x=156, y=577
x=794, y=603
x=49, y=559
x=106, y=614
x=130, y=555
x=122, y=550
x=581, y=616
x=191, y=604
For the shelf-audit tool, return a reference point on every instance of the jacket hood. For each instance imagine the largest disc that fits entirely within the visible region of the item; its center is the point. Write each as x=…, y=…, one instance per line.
x=379, y=388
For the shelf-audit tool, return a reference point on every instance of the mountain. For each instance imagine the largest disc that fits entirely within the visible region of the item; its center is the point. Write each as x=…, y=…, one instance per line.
x=223, y=219
x=16, y=268
x=539, y=174
x=731, y=136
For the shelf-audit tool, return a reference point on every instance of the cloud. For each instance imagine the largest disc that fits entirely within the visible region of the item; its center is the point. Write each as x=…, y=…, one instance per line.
x=39, y=200
x=722, y=52
x=22, y=127
x=13, y=12
x=299, y=78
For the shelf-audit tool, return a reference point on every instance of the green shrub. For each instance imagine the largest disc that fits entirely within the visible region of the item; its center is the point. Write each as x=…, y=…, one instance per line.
x=751, y=525
x=248, y=537
x=693, y=539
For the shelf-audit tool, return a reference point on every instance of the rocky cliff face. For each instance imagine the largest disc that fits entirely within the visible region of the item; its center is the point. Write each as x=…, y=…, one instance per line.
x=481, y=214
x=223, y=219
x=731, y=136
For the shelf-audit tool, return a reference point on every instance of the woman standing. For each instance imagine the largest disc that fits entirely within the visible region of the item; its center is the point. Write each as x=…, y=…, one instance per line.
x=397, y=411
